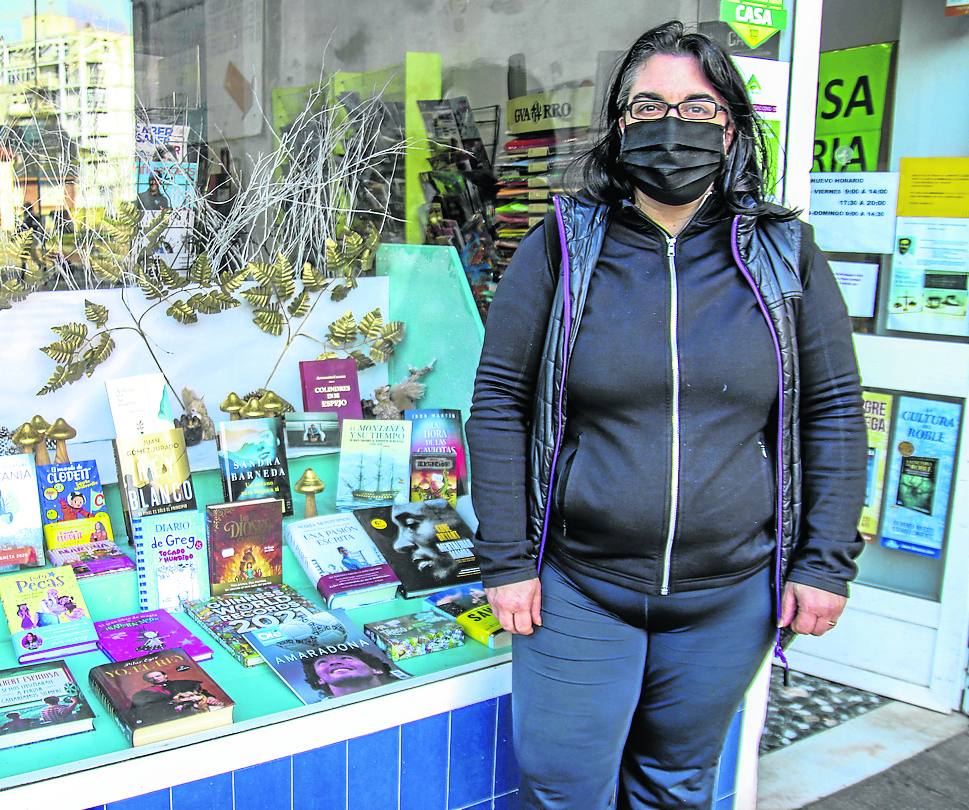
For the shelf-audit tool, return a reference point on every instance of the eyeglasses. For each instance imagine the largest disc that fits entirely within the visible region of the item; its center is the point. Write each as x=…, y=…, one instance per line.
x=650, y=109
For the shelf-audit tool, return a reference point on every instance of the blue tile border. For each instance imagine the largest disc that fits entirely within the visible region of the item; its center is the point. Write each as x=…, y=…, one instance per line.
x=322, y=774
x=264, y=787
x=424, y=763
x=159, y=800
x=369, y=786
x=214, y=793
x=472, y=753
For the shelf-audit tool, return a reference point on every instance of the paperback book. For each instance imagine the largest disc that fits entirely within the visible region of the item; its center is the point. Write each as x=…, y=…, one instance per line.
x=172, y=559
x=427, y=544
x=433, y=477
x=21, y=538
x=413, y=635
x=87, y=545
x=161, y=695
x=308, y=431
x=878, y=421
x=468, y=606
x=245, y=545
x=139, y=404
x=324, y=655
x=338, y=556
x=374, y=463
x=227, y=618
x=331, y=386
x=252, y=459
x=46, y=614
x=128, y=637
x=437, y=431
x=69, y=491
x=41, y=702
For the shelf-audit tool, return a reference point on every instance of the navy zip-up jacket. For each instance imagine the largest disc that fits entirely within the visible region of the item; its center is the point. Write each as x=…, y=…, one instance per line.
x=620, y=511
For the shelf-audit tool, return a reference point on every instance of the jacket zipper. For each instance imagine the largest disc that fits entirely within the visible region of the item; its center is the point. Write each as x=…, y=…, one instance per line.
x=674, y=417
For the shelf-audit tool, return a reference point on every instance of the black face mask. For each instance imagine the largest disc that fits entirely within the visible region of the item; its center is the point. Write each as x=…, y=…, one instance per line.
x=671, y=160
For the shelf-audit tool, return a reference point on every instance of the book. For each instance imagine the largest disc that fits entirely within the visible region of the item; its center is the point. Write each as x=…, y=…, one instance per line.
x=171, y=555
x=374, y=463
x=252, y=460
x=21, y=539
x=161, y=695
x=438, y=431
x=245, y=544
x=319, y=432
x=69, y=491
x=413, y=635
x=41, y=702
x=139, y=404
x=323, y=655
x=153, y=475
x=468, y=606
x=128, y=637
x=433, y=477
x=916, y=483
x=331, y=386
x=87, y=545
x=427, y=544
x=878, y=419
x=46, y=614
x=338, y=556
x=228, y=617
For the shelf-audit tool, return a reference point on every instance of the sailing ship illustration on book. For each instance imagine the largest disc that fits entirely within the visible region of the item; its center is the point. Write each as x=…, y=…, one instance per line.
x=374, y=463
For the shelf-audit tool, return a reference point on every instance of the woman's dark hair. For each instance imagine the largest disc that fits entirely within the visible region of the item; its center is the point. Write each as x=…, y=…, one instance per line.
x=743, y=178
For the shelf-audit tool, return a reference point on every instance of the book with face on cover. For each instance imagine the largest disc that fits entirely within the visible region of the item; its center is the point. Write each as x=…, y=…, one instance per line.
x=374, y=463
x=21, y=538
x=161, y=695
x=69, y=491
x=40, y=702
x=128, y=637
x=245, y=545
x=252, y=459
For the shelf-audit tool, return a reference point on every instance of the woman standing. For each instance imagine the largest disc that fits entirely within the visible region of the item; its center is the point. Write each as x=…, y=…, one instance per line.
x=669, y=460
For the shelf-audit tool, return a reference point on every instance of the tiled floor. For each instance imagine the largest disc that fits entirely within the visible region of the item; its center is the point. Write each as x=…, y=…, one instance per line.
x=809, y=705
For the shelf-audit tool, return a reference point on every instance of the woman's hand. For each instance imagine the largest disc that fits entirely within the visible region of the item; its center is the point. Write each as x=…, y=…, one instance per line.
x=517, y=606
x=810, y=611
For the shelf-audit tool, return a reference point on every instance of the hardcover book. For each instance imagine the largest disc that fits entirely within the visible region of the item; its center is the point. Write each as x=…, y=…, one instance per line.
x=317, y=432
x=324, y=655
x=427, y=544
x=252, y=459
x=413, y=635
x=87, y=545
x=228, y=617
x=172, y=559
x=153, y=475
x=139, y=404
x=468, y=606
x=69, y=491
x=129, y=637
x=338, y=556
x=438, y=431
x=41, y=702
x=46, y=614
x=160, y=696
x=331, y=386
x=21, y=538
x=374, y=463
x=245, y=545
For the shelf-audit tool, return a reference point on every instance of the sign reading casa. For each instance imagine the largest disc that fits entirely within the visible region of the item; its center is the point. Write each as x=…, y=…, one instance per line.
x=756, y=21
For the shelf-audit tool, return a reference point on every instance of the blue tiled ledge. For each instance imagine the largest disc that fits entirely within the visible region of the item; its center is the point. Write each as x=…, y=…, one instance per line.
x=459, y=760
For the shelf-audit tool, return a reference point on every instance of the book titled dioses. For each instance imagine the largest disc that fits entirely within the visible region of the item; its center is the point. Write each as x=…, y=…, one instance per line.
x=245, y=545
x=252, y=459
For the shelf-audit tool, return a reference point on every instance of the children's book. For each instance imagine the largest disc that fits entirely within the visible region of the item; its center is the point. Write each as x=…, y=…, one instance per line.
x=374, y=463
x=129, y=637
x=21, y=538
x=154, y=475
x=86, y=545
x=311, y=432
x=46, y=614
x=139, y=404
x=245, y=544
x=413, y=635
x=438, y=431
x=172, y=559
x=252, y=459
x=331, y=386
x=41, y=702
x=324, y=655
x=427, y=544
x=228, y=617
x=69, y=491
x=468, y=606
x=337, y=556
x=161, y=695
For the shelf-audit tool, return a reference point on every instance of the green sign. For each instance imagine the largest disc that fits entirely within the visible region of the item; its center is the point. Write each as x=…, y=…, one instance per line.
x=754, y=22
x=852, y=86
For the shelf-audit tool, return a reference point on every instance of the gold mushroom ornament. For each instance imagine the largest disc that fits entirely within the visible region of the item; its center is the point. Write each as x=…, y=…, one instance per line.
x=310, y=485
x=61, y=432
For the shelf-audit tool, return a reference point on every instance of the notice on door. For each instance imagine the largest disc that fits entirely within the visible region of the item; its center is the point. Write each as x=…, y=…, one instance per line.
x=854, y=212
x=934, y=187
x=858, y=282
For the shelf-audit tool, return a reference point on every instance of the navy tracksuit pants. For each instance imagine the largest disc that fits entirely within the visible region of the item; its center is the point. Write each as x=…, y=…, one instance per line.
x=619, y=685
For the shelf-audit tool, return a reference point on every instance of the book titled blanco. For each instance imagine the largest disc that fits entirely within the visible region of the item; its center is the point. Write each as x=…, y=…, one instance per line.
x=341, y=560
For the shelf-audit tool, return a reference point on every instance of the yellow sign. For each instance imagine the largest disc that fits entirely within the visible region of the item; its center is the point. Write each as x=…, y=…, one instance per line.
x=934, y=187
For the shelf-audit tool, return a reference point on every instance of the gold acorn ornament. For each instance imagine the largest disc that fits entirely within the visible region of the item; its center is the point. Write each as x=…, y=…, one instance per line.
x=61, y=432
x=232, y=405
x=310, y=485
